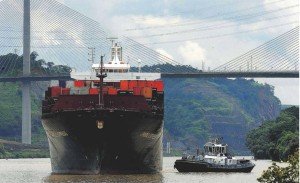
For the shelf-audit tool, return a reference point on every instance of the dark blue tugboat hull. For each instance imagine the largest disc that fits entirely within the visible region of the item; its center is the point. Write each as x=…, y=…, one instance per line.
x=201, y=166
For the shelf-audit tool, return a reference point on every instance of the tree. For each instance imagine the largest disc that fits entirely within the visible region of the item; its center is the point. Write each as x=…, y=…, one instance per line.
x=50, y=64
x=276, y=139
x=277, y=174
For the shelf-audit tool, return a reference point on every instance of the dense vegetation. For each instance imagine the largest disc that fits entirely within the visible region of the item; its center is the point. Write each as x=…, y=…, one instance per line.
x=276, y=139
x=8, y=151
x=195, y=109
x=11, y=95
x=12, y=65
x=166, y=68
x=276, y=174
x=10, y=111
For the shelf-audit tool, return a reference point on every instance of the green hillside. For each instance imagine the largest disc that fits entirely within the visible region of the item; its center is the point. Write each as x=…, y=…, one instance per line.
x=11, y=114
x=276, y=139
x=199, y=109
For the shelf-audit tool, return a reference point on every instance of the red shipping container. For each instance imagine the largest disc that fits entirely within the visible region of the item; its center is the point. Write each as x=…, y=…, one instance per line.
x=105, y=89
x=159, y=85
x=124, y=85
x=93, y=91
x=112, y=91
x=55, y=91
x=146, y=92
x=142, y=83
x=137, y=91
x=65, y=91
x=79, y=84
x=150, y=84
x=132, y=84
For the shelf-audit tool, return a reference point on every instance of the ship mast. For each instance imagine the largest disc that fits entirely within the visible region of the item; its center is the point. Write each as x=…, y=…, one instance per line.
x=101, y=76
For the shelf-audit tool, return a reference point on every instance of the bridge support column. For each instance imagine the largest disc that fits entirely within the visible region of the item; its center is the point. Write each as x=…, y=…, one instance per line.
x=26, y=113
x=26, y=100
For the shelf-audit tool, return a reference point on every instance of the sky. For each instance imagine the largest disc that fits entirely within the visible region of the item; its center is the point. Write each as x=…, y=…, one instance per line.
x=192, y=31
x=144, y=20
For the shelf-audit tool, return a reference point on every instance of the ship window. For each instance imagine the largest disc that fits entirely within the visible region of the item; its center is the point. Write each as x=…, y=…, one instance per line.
x=112, y=53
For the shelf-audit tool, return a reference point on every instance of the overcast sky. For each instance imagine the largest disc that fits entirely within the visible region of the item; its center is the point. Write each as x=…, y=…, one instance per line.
x=190, y=31
x=137, y=18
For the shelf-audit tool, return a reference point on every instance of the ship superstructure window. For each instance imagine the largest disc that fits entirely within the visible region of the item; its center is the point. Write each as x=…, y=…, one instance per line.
x=113, y=53
x=116, y=70
x=116, y=51
x=119, y=52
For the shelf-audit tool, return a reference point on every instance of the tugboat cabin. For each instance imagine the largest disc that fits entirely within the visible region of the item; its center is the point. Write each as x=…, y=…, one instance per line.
x=214, y=149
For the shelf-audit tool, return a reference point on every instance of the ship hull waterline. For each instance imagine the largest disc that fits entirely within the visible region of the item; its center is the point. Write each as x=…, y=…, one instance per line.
x=129, y=142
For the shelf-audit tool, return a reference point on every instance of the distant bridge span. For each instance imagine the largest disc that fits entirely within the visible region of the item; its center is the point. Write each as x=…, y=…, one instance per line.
x=34, y=78
x=258, y=74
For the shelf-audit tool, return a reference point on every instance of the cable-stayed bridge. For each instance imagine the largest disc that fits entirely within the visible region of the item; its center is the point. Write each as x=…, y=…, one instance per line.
x=43, y=40
x=278, y=57
x=62, y=36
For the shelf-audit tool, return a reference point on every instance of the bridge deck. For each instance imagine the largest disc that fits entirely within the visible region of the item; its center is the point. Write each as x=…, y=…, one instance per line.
x=34, y=78
x=288, y=74
x=294, y=74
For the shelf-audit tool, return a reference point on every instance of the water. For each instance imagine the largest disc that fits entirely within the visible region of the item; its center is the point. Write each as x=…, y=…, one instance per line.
x=39, y=170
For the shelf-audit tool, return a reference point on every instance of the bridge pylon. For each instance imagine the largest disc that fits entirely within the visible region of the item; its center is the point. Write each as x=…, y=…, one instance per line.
x=26, y=100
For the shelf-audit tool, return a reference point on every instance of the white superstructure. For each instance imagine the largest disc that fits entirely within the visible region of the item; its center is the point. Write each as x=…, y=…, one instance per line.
x=116, y=63
x=116, y=68
x=216, y=153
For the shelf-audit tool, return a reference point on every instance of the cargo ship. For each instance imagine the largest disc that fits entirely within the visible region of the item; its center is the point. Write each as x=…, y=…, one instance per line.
x=110, y=121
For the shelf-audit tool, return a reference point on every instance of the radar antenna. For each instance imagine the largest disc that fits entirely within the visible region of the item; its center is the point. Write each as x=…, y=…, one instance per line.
x=112, y=39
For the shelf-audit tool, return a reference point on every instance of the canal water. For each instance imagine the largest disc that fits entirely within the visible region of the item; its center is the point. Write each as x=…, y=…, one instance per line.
x=39, y=170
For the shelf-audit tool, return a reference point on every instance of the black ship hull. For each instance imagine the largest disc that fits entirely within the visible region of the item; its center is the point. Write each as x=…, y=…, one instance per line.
x=129, y=142
x=200, y=166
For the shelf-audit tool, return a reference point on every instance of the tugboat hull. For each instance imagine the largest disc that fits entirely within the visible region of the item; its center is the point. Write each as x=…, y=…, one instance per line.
x=201, y=166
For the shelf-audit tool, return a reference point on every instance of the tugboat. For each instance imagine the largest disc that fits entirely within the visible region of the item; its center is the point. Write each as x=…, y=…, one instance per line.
x=215, y=159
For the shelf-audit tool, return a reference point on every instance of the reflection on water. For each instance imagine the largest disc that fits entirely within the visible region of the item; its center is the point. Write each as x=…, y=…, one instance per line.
x=157, y=178
x=39, y=170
